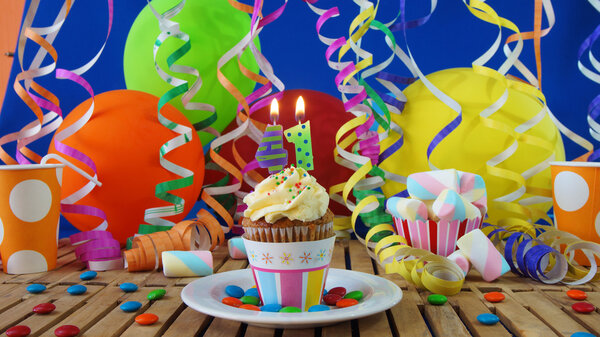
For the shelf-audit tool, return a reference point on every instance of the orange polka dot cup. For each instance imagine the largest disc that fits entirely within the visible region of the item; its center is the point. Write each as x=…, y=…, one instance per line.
x=29, y=217
x=576, y=195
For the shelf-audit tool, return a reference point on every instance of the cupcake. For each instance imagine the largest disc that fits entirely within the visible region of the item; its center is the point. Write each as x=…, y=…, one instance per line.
x=289, y=206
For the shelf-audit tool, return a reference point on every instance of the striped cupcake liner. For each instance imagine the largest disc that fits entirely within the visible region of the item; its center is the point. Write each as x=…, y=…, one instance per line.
x=437, y=237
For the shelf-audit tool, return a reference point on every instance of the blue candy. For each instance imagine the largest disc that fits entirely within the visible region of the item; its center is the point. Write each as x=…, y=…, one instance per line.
x=36, y=288
x=88, y=275
x=273, y=307
x=252, y=292
x=77, y=289
x=130, y=306
x=128, y=287
x=324, y=292
x=582, y=334
x=318, y=307
x=234, y=291
x=488, y=319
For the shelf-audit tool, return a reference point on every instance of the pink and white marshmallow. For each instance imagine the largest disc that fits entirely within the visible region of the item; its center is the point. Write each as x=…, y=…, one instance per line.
x=450, y=206
x=407, y=209
x=483, y=255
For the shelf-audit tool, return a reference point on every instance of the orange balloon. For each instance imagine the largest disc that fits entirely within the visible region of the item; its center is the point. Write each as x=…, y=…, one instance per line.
x=123, y=138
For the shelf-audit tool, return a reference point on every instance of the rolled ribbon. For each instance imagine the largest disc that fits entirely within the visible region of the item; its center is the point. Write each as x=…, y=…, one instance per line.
x=237, y=249
x=178, y=263
x=98, y=250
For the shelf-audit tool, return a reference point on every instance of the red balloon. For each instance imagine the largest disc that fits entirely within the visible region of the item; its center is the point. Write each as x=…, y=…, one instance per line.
x=326, y=115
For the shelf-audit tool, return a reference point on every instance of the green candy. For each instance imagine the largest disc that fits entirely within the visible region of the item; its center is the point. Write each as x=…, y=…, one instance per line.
x=357, y=295
x=250, y=300
x=290, y=309
x=156, y=294
x=437, y=299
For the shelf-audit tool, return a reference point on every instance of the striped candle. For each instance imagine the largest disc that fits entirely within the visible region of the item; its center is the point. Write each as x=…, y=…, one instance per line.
x=271, y=153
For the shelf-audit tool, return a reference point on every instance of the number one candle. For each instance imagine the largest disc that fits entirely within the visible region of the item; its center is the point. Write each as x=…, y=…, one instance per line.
x=271, y=153
x=300, y=136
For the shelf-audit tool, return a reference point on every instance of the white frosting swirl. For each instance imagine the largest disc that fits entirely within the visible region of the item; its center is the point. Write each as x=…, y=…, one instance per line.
x=291, y=193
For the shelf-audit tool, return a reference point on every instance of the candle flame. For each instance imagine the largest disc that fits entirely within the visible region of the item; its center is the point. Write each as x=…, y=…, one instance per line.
x=274, y=110
x=299, y=109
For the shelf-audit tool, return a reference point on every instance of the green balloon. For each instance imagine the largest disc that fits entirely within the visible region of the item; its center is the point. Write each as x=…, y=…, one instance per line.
x=214, y=27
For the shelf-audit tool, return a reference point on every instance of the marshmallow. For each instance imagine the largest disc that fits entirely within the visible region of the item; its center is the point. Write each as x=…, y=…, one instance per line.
x=461, y=260
x=407, y=209
x=428, y=185
x=472, y=188
x=483, y=255
x=237, y=250
x=178, y=263
x=450, y=206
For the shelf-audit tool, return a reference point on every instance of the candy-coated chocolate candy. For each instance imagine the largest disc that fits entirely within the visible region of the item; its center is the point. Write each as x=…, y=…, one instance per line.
x=146, y=319
x=234, y=291
x=582, y=334
x=130, y=306
x=338, y=290
x=156, y=294
x=252, y=292
x=331, y=299
x=77, y=289
x=273, y=307
x=290, y=309
x=18, y=331
x=249, y=307
x=128, y=287
x=44, y=308
x=437, y=299
x=346, y=302
x=318, y=307
x=494, y=296
x=324, y=292
x=250, y=300
x=488, y=319
x=88, y=275
x=232, y=301
x=583, y=307
x=357, y=295
x=36, y=288
x=578, y=295
x=66, y=331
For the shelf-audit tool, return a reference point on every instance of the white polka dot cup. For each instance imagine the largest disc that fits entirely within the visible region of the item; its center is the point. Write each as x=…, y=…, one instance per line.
x=576, y=199
x=29, y=217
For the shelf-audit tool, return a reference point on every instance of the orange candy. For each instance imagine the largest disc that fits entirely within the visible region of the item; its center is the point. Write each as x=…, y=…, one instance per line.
x=249, y=307
x=494, y=296
x=578, y=295
x=346, y=302
x=146, y=319
x=232, y=301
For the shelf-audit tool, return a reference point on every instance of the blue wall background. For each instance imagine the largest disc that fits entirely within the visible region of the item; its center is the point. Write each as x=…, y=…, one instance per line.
x=451, y=38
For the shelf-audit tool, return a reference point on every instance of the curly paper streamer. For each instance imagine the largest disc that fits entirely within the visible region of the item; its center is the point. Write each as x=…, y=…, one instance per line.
x=98, y=250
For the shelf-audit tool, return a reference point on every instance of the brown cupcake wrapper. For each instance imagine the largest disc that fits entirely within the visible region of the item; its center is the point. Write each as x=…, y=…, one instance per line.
x=308, y=232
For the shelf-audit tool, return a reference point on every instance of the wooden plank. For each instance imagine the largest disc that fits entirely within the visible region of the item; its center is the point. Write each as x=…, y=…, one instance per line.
x=519, y=320
x=158, y=279
x=167, y=309
x=65, y=305
x=469, y=307
x=138, y=278
x=255, y=331
x=231, y=264
x=297, y=333
x=343, y=329
x=594, y=298
x=443, y=320
x=553, y=316
x=22, y=310
x=407, y=318
x=117, y=321
x=590, y=321
x=220, y=255
x=95, y=308
x=189, y=323
x=61, y=262
x=223, y=328
x=69, y=274
x=338, y=257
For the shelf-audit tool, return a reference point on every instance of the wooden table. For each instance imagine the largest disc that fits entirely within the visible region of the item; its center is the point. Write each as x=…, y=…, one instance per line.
x=530, y=308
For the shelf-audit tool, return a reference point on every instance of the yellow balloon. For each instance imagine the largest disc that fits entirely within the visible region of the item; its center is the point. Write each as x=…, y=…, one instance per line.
x=472, y=144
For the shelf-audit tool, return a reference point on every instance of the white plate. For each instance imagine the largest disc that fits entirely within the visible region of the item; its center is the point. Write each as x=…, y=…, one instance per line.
x=205, y=295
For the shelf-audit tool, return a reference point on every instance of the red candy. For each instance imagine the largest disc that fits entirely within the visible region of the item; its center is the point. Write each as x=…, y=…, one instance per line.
x=66, y=331
x=583, y=307
x=494, y=297
x=338, y=290
x=578, y=295
x=232, y=301
x=331, y=299
x=346, y=302
x=44, y=308
x=18, y=331
x=249, y=307
x=146, y=319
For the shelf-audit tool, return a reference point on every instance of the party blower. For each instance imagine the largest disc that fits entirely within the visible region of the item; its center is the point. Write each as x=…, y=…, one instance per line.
x=30, y=214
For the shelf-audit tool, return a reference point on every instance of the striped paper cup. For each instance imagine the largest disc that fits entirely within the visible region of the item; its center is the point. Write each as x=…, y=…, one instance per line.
x=437, y=237
x=290, y=273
